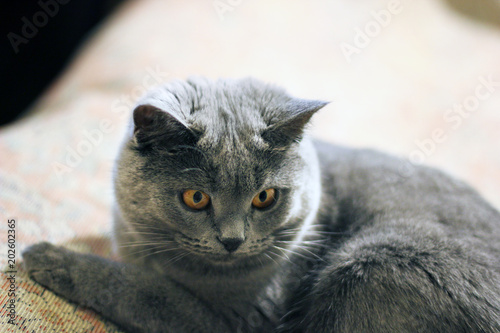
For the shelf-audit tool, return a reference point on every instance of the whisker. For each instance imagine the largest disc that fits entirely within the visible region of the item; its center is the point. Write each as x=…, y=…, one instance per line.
x=278, y=255
x=260, y=261
x=313, y=233
x=331, y=232
x=312, y=244
x=314, y=254
x=299, y=254
x=316, y=241
x=133, y=244
x=143, y=233
x=177, y=258
x=141, y=251
x=270, y=258
x=165, y=250
x=134, y=228
x=157, y=252
x=284, y=260
x=284, y=253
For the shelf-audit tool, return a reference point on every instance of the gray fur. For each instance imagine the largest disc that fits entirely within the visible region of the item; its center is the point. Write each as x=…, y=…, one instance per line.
x=357, y=241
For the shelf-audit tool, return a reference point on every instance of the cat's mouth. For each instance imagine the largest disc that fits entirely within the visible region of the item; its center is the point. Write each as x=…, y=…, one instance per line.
x=247, y=258
x=229, y=258
x=226, y=258
x=249, y=251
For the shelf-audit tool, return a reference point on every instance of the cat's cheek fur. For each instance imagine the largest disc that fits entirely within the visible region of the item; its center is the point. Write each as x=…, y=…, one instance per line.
x=307, y=200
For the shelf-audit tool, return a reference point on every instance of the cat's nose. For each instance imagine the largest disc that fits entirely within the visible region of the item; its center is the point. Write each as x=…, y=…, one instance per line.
x=231, y=244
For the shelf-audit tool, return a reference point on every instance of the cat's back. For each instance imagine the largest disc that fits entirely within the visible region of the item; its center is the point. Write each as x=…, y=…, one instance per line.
x=403, y=249
x=360, y=185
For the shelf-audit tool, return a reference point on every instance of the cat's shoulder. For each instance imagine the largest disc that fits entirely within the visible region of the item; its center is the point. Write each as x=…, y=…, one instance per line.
x=330, y=153
x=371, y=164
x=347, y=162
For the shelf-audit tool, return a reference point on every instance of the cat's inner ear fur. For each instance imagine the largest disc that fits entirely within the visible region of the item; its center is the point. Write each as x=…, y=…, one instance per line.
x=155, y=126
x=297, y=114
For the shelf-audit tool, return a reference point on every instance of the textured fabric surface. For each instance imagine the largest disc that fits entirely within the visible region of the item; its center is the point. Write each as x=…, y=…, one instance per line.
x=395, y=82
x=40, y=310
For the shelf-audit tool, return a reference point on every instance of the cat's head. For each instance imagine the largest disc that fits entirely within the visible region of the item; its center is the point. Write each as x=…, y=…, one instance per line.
x=218, y=171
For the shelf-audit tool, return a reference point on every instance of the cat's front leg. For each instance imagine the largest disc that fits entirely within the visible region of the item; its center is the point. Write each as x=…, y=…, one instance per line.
x=138, y=299
x=397, y=281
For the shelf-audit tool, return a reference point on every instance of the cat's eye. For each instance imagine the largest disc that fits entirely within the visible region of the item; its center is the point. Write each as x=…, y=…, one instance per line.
x=196, y=199
x=265, y=198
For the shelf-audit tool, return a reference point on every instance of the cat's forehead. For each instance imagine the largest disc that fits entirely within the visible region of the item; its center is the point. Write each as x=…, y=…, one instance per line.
x=229, y=124
x=229, y=117
x=233, y=109
x=242, y=132
x=237, y=167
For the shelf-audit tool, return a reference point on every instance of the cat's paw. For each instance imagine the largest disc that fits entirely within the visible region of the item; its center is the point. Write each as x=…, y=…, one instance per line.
x=50, y=266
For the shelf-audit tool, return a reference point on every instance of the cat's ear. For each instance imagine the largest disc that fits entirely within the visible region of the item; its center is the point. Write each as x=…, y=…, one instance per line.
x=298, y=113
x=153, y=125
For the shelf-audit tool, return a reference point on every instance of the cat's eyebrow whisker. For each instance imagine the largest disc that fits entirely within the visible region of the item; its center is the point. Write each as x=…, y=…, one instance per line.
x=171, y=151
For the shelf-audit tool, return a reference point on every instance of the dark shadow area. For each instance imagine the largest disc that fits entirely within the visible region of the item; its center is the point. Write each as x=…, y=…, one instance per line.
x=38, y=40
x=484, y=11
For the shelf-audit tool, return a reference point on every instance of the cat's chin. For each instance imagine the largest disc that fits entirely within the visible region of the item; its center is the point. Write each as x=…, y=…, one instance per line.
x=222, y=261
x=235, y=259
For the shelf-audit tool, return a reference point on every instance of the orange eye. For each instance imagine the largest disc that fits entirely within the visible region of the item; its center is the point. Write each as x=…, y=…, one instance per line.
x=195, y=199
x=265, y=198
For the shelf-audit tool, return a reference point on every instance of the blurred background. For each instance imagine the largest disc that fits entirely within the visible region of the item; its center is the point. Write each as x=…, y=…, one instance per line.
x=419, y=79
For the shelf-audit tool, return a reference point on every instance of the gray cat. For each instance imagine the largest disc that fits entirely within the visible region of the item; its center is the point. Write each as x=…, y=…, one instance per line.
x=230, y=219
